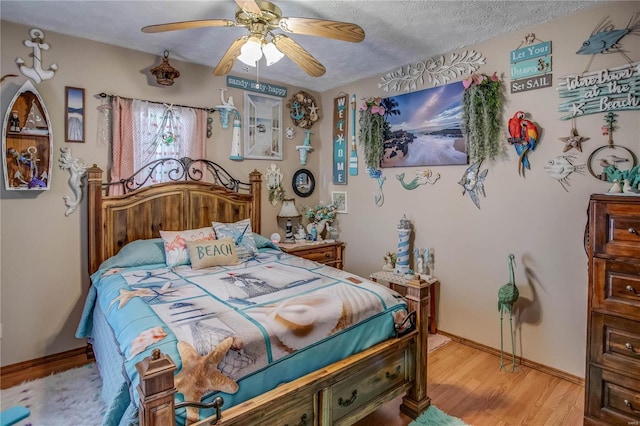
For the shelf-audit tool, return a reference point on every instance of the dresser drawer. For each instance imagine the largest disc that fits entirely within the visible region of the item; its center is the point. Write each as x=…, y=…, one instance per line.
x=614, y=398
x=349, y=394
x=618, y=229
x=322, y=256
x=301, y=415
x=615, y=342
x=616, y=287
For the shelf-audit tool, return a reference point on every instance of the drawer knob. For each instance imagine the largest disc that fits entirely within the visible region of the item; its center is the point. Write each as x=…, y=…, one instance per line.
x=630, y=405
x=303, y=421
x=633, y=231
x=631, y=289
x=393, y=376
x=628, y=346
x=348, y=402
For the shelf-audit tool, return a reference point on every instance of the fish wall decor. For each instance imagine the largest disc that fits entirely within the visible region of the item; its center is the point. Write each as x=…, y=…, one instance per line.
x=472, y=181
x=605, y=38
x=561, y=167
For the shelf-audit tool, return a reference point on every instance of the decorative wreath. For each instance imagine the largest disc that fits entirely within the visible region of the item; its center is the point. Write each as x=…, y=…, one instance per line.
x=303, y=110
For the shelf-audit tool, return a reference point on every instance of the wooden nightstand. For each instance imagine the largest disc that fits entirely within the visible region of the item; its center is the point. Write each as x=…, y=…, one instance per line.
x=320, y=251
x=398, y=283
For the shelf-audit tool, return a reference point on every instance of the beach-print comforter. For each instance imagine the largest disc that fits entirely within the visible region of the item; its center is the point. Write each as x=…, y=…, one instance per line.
x=243, y=320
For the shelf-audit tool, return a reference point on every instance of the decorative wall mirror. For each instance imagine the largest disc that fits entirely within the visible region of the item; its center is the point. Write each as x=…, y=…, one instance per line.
x=303, y=183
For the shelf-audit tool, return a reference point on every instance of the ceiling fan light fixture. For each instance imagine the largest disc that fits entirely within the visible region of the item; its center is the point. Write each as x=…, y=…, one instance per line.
x=271, y=53
x=251, y=52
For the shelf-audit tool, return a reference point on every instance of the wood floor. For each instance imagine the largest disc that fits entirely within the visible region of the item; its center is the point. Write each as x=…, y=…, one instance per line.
x=466, y=383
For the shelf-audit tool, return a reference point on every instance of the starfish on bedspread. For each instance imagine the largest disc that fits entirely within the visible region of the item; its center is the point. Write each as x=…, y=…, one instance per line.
x=199, y=374
x=126, y=295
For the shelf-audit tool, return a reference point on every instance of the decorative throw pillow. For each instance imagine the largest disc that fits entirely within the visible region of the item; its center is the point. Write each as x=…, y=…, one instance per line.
x=262, y=242
x=204, y=254
x=136, y=253
x=242, y=236
x=175, y=244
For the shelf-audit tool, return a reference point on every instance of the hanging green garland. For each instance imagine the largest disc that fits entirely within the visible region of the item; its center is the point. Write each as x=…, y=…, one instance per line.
x=482, y=116
x=373, y=128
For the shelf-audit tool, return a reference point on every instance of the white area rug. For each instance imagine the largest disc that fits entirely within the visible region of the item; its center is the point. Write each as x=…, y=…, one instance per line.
x=73, y=396
x=436, y=341
x=68, y=398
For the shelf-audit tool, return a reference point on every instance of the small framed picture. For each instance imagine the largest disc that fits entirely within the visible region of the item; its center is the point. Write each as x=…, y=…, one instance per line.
x=74, y=114
x=339, y=199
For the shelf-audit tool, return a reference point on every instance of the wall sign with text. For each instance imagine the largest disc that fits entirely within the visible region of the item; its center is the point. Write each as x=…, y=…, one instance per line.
x=339, y=139
x=254, y=86
x=531, y=67
x=615, y=89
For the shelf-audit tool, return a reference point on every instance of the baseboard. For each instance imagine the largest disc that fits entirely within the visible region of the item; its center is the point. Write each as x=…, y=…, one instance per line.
x=523, y=361
x=15, y=374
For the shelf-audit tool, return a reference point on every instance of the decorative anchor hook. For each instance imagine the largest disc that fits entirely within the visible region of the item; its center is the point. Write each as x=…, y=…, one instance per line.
x=36, y=73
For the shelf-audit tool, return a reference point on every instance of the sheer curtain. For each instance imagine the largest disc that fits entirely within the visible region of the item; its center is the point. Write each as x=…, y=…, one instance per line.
x=144, y=131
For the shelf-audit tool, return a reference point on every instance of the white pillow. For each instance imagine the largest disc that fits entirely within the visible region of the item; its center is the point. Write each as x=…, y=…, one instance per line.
x=175, y=244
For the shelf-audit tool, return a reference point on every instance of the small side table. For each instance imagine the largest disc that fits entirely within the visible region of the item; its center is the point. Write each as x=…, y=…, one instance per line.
x=398, y=283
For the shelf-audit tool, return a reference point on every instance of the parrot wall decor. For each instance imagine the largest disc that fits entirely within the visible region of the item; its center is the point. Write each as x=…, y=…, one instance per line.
x=523, y=135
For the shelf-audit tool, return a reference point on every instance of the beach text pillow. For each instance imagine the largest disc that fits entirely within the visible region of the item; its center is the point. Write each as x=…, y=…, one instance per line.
x=175, y=244
x=204, y=254
x=242, y=236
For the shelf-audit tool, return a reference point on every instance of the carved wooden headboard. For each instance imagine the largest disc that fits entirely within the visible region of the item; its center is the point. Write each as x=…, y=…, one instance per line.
x=187, y=202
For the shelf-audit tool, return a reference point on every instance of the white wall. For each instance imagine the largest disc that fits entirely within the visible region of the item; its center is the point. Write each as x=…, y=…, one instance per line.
x=532, y=217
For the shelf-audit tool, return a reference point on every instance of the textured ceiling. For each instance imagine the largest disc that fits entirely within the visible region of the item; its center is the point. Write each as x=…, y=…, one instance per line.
x=397, y=32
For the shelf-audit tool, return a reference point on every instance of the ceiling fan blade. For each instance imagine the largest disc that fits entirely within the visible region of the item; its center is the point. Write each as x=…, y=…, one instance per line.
x=249, y=6
x=188, y=25
x=323, y=28
x=229, y=57
x=297, y=54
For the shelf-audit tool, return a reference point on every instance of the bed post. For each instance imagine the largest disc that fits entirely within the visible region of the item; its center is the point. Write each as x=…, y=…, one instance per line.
x=94, y=213
x=256, y=191
x=416, y=400
x=157, y=390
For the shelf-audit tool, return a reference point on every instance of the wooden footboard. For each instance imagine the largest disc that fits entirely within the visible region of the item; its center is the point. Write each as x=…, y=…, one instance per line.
x=340, y=393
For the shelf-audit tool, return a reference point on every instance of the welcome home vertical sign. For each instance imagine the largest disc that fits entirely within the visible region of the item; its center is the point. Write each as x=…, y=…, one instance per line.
x=339, y=139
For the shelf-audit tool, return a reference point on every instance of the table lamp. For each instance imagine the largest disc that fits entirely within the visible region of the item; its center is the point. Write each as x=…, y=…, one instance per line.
x=289, y=211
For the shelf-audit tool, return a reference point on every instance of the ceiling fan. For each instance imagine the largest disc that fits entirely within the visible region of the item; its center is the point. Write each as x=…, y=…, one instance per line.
x=261, y=18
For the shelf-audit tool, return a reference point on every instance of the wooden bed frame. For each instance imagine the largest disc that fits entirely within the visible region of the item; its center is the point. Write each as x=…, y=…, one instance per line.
x=340, y=393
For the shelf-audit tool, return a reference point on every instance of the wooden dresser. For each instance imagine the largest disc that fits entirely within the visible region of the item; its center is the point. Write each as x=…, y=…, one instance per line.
x=323, y=252
x=612, y=385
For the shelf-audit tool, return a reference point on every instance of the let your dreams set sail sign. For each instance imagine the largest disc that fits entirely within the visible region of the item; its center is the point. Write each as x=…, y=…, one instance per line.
x=531, y=67
x=614, y=89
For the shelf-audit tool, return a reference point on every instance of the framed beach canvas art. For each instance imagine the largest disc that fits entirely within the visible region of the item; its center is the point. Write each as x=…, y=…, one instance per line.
x=74, y=114
x=426, y=128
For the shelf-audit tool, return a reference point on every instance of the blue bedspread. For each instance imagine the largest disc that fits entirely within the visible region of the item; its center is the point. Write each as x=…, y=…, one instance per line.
x=274, y=312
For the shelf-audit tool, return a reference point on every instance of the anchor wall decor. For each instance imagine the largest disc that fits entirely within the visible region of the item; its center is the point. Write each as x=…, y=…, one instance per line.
x=36, y=73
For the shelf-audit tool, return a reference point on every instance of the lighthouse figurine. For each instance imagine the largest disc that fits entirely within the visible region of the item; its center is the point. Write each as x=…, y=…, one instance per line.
x=402, y=260
x=236, y=148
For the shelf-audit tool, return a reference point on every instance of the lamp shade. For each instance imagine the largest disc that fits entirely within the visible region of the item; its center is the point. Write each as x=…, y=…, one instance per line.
x=251, y=52
x=289, y=208
x=271, y=53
